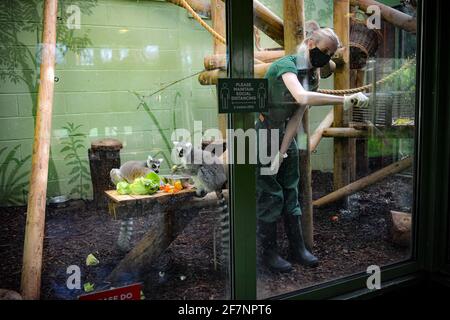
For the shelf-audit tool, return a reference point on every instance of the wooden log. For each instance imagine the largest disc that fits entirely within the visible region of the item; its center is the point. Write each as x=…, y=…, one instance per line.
x=401, y=228
x=104, y=155
x=364, y=182
x=361, y=165
x=9, y=295
x=34, y=232
x=318, y=133
x=294, y=33
x=344, y=133
x=218, y=22
x=210, y=77
x=268, y=22
x=166, y=226
x=391, y=15
x=202, y=7
x=220, y=60
x=341, y=18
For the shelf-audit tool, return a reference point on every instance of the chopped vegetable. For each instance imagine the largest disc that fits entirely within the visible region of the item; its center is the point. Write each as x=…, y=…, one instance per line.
x=143, y=186
x=123, y=187
x=88, y=287
x=91, y=260
x=178, y=186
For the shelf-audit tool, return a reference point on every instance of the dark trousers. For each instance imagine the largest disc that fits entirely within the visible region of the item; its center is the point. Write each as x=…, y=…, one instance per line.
x=277, y=194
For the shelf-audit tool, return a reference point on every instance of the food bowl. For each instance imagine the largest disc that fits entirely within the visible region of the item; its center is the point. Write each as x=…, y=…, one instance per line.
x=172, y=178
x=59, y=201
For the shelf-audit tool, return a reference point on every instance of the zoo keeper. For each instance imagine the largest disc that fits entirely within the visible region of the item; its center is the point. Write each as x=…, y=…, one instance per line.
x=293, y=81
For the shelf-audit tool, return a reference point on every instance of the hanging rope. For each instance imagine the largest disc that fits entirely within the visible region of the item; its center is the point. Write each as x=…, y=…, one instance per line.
x=368, y=86
x=203, y=23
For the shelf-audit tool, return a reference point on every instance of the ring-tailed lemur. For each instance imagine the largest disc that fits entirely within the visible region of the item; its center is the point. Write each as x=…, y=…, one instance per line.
x=128, y=172
x=131, y=170
x=210, y=175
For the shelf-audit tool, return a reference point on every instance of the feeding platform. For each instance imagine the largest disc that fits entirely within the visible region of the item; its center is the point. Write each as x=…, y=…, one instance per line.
x=172, y=213
x=128, y=206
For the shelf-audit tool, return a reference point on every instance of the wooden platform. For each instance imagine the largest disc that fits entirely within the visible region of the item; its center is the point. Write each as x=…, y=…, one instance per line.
x=118, y=198
x=125, y=206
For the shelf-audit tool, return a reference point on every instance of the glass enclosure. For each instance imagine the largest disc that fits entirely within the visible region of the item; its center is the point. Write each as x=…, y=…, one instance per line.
x=341, y=201
x=135, y=102
x=126, y=78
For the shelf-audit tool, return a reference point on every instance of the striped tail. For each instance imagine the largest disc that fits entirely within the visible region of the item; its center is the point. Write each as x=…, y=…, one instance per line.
x=224, y=227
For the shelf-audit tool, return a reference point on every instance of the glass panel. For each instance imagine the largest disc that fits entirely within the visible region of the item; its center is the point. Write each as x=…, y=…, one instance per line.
x=302, y=243
x=126, y=78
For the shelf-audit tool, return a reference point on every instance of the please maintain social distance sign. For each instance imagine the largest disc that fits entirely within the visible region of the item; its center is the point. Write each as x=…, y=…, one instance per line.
x=242, y=95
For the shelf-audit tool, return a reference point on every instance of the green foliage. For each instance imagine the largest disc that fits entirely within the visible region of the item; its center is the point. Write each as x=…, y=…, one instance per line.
x=73, y=148
x=15, y=55
x=13, y=179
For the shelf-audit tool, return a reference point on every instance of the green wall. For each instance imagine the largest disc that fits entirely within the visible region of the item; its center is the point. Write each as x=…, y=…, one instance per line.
x=122, y=46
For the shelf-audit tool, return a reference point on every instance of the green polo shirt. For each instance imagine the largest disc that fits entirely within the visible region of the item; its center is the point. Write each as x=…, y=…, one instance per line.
x=281, y=103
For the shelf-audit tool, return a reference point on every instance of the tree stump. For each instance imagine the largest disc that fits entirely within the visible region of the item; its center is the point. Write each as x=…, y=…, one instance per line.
x=104, y=155
x=9, y=295
x=401, y=228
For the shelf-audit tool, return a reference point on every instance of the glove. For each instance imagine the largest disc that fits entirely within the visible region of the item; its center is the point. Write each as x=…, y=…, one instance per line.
x=276, y=163
x=355, y=100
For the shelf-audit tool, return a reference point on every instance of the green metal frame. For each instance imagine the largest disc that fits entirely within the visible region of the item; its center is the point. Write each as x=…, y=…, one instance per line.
x=432, y=151
x=239, y=15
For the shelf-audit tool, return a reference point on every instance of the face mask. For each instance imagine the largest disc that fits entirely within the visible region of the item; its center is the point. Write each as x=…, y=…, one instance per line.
x=318, y=58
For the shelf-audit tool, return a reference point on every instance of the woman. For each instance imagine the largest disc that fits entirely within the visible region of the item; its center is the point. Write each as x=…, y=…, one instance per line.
x=293, y=81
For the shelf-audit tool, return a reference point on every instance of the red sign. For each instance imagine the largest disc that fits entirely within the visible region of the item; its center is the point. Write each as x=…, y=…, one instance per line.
x=131, y=292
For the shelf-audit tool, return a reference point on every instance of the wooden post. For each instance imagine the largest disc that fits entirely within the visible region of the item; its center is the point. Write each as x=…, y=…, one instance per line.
x=361, y=145
x=34, y=232
x=341, y=20
x=218, y=22
x=294, y=26
x=318, y=133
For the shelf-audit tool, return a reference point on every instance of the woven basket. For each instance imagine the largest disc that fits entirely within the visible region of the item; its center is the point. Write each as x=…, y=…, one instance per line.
x=364, y=43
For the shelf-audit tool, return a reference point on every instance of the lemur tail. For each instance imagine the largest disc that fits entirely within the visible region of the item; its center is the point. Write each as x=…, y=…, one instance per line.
x=224, y=223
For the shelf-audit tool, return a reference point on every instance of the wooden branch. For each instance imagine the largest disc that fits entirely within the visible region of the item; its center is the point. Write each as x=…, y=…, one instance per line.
x=220, y=60
x=209, y=77
x=318, y=133
x=364, y=182
x=202, y=7
x=218, y=22
x=344, y=133
x=167, y=225
x=268, y=22
x=34, y=232
x=391, y=15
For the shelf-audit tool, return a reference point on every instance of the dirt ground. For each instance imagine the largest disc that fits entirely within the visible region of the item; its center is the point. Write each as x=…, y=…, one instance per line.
x=346, y=242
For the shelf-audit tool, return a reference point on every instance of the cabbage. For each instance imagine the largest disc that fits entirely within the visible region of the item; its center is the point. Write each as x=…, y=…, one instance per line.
x=143, y=186
x=155, y=179
x=123, y=187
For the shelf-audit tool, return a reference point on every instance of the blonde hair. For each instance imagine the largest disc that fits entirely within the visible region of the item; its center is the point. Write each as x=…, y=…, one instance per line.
x=314, y=32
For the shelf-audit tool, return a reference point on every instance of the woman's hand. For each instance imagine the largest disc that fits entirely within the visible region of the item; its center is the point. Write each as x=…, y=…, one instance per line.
x=355, y=100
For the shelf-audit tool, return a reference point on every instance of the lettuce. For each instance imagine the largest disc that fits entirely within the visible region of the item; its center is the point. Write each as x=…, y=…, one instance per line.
x=143, y=186
x=140, y=186
x=123, y=187
x=153, y=177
